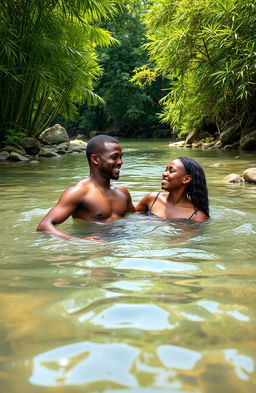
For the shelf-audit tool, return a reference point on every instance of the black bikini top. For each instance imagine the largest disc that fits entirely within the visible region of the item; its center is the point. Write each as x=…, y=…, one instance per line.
x=149, y=213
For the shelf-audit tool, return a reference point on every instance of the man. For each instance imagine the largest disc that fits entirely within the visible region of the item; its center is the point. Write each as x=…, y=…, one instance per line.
x=94, y=198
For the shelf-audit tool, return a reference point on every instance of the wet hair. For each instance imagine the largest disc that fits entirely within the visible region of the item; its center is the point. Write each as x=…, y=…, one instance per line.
x=197, y=190
x=96, y=144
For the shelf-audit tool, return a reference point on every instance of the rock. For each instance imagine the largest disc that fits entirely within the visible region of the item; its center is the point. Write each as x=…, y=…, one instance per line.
x=196, y=145
x=14, y=156
x=77, y=148
x=233, y=178
x=54, y=135
x=228, y=147
x=62, y=148
x=78, y=142
x=248, y=142
x=188, y=145
x=207, y=145
x=4, y=155
x=48, y=152
x=216, y=165
x=17, y=149
x=34, y=162
x=177, y=144
x=31, y=145
x=250, y=175
x=196, y=135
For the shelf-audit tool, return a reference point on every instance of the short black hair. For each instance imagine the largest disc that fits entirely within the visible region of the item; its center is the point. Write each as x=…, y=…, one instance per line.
x=197, y=189
x=96, y=144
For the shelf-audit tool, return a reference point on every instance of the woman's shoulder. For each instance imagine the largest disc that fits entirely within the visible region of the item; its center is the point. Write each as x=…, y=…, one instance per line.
x=199, y=215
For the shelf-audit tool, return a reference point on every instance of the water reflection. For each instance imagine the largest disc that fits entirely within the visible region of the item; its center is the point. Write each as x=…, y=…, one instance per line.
x=85, y=363
x=121, y=365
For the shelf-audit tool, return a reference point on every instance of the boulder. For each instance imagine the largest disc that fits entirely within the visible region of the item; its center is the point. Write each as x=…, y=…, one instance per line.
x=17, y=149
x=196, y=145
x=233, y=178
x=250, y=175
x=248, y=142
x=216, y=165
x=4, y=155
x=62, y=148
x=48, y=151
x=77, y=148
x=177, y=144
x=17, y=157
x=54, y=135
x=78, y=142
x=196, y=135
x=31, y=145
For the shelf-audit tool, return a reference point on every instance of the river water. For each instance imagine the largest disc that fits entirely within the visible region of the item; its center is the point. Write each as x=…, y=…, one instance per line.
x=156, y=307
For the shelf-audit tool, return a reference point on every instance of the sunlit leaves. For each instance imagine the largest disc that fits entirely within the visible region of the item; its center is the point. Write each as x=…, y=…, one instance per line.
x=208, y=48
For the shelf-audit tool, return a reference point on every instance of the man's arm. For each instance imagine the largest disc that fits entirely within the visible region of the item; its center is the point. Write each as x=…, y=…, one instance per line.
x=63, y=209
x=130, y=206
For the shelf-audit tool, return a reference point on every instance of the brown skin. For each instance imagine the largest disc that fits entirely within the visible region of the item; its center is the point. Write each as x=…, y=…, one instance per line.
x=173, y=203
x=93, y=199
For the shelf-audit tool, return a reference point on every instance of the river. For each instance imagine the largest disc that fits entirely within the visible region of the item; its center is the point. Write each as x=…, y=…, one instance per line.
x=156, y=307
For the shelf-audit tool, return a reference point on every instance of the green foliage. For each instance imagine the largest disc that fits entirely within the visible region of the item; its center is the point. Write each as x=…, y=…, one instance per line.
x=207, y=48
x=48, y=58
x=128, y=108
x=12, y=136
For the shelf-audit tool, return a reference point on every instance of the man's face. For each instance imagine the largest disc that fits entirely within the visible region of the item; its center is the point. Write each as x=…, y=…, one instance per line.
x=110, y=161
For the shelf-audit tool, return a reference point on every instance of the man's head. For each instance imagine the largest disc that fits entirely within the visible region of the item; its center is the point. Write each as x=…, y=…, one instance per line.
x=105, y=155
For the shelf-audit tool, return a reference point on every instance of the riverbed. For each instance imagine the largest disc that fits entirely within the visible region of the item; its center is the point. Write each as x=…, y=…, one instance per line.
x=155, y=307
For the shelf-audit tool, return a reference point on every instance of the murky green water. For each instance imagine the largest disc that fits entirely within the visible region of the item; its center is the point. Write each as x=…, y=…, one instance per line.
x=156, y=307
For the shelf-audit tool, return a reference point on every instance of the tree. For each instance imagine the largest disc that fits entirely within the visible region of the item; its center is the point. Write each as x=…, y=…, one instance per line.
x=128, y=109
x=207, y=49
x=48, y=59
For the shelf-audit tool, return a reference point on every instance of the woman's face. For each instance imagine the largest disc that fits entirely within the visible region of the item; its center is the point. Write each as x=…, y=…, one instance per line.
x=174, y=176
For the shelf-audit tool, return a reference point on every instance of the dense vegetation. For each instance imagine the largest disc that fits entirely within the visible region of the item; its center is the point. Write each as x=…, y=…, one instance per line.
x=208, y=50
x=48, y=59
x=61, y=56
x=128, y=110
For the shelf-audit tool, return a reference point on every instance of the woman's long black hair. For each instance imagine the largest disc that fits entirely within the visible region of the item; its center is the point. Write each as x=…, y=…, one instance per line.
x=197, y=190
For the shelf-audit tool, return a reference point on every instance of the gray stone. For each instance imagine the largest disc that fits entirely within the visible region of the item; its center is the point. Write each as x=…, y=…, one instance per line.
x=17, y=149
x=250, y=175
x=54, y=135
x=31, y=145
x=4, y=155
x=228, y=147
x=14, y=156
x=48, y=152
x=63, y=148
x=216, y=165
x=196, y=145
x=177, y=144
x=233, y=178
x=77, y=148
x=248, y=142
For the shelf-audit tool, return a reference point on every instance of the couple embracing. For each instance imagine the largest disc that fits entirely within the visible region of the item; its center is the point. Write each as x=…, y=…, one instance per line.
x=96, y=199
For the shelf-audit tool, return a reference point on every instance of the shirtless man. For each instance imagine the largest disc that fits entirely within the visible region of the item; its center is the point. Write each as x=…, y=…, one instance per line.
x=93, y=199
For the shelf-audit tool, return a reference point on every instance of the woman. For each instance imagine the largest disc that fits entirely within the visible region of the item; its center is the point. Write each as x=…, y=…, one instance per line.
x=186, y=196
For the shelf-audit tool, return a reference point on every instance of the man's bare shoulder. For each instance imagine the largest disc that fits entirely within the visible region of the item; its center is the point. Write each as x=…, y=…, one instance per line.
x=78, y=189
x=121, y=189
